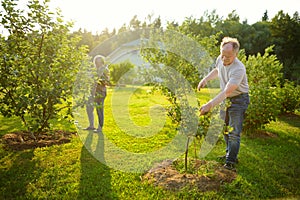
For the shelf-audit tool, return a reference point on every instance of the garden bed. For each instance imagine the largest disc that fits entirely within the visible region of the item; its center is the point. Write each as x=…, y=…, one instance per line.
x=166, y=175
x=22, y=140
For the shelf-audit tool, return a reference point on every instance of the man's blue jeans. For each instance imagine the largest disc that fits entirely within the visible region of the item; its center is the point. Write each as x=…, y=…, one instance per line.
x=234, y=117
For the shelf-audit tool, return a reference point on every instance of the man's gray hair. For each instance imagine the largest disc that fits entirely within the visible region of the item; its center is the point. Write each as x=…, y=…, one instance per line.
x=233, y=41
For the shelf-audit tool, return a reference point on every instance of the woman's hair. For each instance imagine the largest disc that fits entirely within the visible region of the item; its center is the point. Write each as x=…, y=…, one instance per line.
x=235, y=43
x=98, y=57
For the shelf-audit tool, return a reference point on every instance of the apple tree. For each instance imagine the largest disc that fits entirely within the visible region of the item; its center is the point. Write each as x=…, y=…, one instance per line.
x=39, y=62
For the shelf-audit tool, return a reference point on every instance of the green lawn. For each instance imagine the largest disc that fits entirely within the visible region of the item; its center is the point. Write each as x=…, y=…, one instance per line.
x=269, y=167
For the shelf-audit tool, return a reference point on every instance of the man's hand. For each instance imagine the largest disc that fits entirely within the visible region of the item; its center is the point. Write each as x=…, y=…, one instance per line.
x=202, y=84
x=205, y=108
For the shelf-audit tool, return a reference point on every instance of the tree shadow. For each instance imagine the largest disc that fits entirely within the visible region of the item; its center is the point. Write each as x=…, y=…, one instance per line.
x=24, y=167
x=10, y=124
x=271, y=167
x=291, y=119
x=95, y=181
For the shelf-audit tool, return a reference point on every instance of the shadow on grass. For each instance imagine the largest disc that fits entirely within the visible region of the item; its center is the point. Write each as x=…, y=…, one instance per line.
x=95, y=181
x=22, y=164
x=9, y=125
x=291, y=119
x=268, y=168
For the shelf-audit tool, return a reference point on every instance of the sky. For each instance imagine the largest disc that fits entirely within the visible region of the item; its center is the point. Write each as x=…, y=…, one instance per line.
x=96, y=15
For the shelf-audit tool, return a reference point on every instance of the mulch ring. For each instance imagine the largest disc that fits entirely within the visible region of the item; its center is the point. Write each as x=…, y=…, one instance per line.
x=166, y=176
x=22, y=140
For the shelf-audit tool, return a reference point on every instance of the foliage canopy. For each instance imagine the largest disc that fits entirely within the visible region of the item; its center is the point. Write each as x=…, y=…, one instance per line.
x=39, y=61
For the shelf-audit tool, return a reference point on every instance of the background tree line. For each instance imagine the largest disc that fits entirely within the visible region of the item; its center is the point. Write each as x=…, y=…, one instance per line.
x=282, y=31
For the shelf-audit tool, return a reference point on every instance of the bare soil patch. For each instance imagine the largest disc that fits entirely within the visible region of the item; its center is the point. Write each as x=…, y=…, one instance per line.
x=22, y=140
x=262, y=134
x=166, y=176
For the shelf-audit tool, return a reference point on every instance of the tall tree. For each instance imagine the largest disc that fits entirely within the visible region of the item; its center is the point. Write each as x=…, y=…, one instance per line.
x=285, y=32
x=39, y=62
x=265, y=17
x=261, y=38
x=134, y=23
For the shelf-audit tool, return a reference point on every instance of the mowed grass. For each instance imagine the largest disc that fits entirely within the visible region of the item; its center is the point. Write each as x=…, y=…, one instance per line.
x=269, y=167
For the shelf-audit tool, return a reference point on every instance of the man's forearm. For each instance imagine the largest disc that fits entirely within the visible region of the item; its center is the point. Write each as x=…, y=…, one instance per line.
x=218, y=99
x=212, y=75
x=223, y=95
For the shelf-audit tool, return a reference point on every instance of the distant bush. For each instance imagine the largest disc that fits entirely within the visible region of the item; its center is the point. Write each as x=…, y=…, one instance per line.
x=264, y=76
x=119, y=70
x=290, y=97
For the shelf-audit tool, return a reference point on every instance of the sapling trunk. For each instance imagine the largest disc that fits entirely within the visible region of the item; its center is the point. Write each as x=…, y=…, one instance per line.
x=186, y=153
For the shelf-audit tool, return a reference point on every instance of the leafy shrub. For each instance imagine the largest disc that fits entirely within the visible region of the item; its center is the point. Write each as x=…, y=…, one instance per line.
x=264, y=78
x=118, y=70
x=290, y=97
x=265, y=106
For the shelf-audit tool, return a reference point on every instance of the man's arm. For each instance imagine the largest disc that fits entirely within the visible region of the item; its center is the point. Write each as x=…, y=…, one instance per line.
x=212, y=75
x=229, y=88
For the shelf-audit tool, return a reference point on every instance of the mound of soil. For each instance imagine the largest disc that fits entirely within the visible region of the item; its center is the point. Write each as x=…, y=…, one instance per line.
x=24, y=140
x=166, y=176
